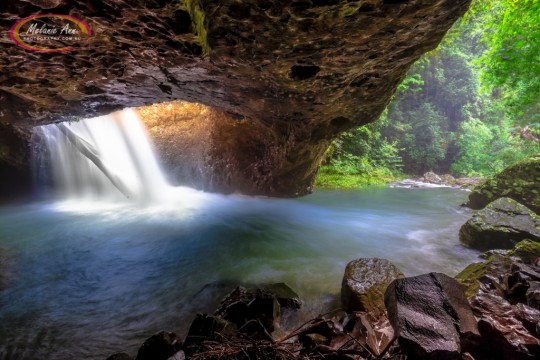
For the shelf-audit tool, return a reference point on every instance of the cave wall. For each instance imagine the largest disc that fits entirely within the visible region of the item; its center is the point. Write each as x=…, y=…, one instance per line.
x=283, y=77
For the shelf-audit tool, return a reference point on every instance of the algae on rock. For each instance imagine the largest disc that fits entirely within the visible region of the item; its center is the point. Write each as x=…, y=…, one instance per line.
x=520, y=182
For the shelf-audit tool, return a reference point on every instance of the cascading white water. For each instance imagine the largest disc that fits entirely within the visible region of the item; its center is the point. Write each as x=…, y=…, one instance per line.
x=108, y=157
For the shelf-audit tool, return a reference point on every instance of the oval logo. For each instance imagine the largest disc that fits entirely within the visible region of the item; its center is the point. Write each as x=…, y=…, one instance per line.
x=50, y=33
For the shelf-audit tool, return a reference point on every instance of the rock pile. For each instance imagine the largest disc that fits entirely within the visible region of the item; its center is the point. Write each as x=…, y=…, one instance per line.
x=505, y=297
x=491, y=311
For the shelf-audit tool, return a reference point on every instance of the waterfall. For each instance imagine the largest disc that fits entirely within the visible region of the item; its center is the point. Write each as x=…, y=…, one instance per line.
x=108, y=157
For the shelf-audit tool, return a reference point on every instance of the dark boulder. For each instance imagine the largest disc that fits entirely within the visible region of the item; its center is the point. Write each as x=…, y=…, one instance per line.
x=527, y=250
x=262, y=304
x=504, y=336
x=255, y=330
x=178, y=356
x=265, y=308
x=431, y=317
x=208, y=327
x=501, y=290
x=501, y=225
x=364, y=284
x=520, y=182
x=160, y=346
x=533, y=295
x=286, y=297
x=120, y=356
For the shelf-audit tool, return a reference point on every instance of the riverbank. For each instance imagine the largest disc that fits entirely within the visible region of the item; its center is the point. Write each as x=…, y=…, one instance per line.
x=330, y=178
x=383, y=315
x=98, y=277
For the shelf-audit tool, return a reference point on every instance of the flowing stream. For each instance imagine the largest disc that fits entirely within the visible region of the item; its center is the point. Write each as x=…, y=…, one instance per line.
x=106, y=260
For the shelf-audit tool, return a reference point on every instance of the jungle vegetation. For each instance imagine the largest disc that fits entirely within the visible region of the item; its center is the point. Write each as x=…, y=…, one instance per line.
x=469, y=108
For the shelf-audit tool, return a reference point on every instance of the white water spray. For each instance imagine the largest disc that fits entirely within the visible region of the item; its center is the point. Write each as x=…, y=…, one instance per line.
x=107, y=158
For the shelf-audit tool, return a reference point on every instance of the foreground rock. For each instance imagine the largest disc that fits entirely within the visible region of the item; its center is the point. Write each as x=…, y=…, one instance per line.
x=431, y=317
x=161, y=346
x=364, y=284
x=501, y=225
x=287, y=76
x=520, y=182
x=501, y=292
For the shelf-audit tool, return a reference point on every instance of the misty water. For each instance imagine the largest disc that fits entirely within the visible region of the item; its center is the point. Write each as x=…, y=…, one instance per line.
x=91, y=273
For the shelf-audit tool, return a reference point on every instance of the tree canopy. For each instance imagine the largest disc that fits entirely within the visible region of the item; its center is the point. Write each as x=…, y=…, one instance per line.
x=470, y=107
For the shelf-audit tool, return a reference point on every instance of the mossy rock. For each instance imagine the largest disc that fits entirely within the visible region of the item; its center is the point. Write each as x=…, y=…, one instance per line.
x=501, y=225
x=520, y=182
x=496, y=263
x=364, y=284
x=527, y=250
x=470, y=276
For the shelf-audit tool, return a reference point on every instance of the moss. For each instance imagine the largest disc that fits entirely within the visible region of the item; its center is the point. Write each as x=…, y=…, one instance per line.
x=527, y=250
x=516, y=182
x=198, y=20
x=470, y=275
x=348, y=10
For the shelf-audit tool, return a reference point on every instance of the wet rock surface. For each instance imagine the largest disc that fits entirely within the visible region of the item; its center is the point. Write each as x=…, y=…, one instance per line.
x=160, y=346
x=364, y=284
x=507, y=318
x=501, y=225
x=431, y=317
x=520, y=182
x=294, y=73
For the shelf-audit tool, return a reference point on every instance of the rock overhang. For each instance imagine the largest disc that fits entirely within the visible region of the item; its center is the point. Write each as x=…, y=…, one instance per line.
x=302, y=71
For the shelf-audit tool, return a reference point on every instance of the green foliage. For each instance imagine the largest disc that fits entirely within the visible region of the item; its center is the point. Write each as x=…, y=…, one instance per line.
x=359, y=158
x=510, y=63
x=442, y=118
x=198, y=17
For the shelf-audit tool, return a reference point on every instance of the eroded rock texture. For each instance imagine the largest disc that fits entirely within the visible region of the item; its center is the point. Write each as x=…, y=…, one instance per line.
x=291, y=75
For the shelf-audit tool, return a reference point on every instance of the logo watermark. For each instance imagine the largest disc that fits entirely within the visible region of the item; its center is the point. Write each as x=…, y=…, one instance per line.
x=50, y=33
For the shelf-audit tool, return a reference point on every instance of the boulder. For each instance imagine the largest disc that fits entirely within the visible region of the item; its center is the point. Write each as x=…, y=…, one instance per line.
x=160, y=346
x=243, y=305
x=431, y=317
x=364, y=284
x=520, y=182
x=265, y=308
x=527, y=250
x=468, y=182
x=286, y=296
x=501, y=225
x=533, y=295
x=498, y=262
x=504, y=337
x=208, y=327
x=448, y=179
x=178, y=356
x=255, y=330
x=432, y=178
x=120, y=356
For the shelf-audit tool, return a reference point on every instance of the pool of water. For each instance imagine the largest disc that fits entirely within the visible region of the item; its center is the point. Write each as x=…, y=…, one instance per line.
x=88, y=279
